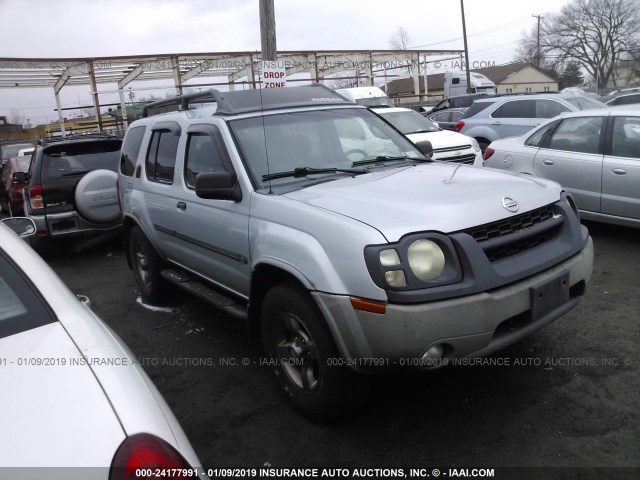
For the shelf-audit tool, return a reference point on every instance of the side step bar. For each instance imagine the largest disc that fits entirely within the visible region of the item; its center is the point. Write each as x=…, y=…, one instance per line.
x=226, y=304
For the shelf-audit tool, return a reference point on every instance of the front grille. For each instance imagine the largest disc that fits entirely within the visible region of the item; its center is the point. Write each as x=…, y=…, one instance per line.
x=466, y=159
x=495, y=240
x=511, y=225
x=451, y=149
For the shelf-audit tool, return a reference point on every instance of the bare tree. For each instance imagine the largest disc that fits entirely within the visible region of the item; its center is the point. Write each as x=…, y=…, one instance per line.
x=594, y=33
x=17, y=116
x=400, y=39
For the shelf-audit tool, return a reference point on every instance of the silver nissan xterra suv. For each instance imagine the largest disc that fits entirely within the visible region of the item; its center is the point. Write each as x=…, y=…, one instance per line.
x=343, y=245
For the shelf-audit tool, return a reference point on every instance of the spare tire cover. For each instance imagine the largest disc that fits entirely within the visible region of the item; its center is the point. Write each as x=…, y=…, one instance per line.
x=96, y=196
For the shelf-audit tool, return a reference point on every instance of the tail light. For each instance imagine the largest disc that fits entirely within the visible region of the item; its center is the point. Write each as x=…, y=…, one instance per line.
x=35, y=196
x=143, y=453
x=459, y=126
x=488, y=152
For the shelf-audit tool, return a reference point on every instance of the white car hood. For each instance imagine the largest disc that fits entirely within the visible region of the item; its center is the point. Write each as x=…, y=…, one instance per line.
x=429, y=196
x=441, y=139
x=53, y=415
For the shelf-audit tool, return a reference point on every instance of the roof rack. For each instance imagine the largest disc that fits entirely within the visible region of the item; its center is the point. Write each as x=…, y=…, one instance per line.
x=182, y=101
x=77, y=136
x=244, y=101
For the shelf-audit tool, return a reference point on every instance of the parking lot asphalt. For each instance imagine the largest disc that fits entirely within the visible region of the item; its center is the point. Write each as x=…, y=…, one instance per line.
x=567, y=396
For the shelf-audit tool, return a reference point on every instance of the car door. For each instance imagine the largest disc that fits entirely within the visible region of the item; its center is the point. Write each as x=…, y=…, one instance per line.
x=512, y=118
x=621, y=170
x=572, y=156
x=158, y=185
x=213, y=238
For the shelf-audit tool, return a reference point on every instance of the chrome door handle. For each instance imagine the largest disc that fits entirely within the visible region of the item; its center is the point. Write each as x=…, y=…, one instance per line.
x=548, y=162
x=182, y=205
x=619, y=171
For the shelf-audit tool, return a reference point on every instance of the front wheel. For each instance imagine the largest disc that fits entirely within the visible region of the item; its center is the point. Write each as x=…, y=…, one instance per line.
x=147, y=266
x=301, y=349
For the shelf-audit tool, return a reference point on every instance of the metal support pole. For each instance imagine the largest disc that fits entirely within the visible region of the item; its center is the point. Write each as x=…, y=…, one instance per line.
x=426, y=82
x=175, y=65
x=466, y=48
x=94, y=92
x=59, y=105
x=123, y=107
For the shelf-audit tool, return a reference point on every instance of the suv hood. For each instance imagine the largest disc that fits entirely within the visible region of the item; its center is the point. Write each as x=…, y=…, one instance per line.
x=431, y=196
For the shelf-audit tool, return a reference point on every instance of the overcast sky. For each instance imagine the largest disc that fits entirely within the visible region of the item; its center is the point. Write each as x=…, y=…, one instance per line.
x=98, y=28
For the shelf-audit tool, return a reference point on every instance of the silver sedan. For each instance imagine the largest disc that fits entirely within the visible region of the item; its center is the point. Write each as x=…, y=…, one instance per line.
x=73, y=394
x=594, y=154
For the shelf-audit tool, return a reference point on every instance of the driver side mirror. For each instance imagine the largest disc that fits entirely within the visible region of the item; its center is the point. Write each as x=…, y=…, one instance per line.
x=20, y=177
x=218, y=186
x=425, y=148
x=22, y=226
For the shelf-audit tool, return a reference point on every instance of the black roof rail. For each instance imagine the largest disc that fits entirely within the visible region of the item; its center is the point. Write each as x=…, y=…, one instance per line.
x=77, y=136
x=182, y=101
x=253, y=100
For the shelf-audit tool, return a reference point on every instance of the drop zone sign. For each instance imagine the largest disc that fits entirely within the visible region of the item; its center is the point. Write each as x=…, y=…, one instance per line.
x=274, y=74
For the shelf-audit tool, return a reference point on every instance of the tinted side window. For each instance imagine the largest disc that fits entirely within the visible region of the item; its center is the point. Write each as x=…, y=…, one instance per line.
x=549, y=108
x=515, y=109
x=625, y=141
x=161, y=158
x=130, y=150
x=475, y=108
x=628, y=99
x=580, y=134
x=455, y=116
x=202, y=157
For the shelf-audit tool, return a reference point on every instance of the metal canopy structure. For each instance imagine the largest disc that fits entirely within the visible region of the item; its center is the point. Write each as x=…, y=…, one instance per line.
x=185, y=70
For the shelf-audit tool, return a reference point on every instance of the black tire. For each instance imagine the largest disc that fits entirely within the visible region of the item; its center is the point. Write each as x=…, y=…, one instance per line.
x=42, y=245
x=147, y=266
x=300, y=347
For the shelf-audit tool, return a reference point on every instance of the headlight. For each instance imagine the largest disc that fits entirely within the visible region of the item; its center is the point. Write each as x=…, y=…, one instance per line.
x=416, y=261
x=426, y=259
x=475, y=145
x=389, y=258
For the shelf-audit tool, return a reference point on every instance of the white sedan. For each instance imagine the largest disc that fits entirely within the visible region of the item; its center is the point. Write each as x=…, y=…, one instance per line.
x=447, y=145
x=72, y=393
x=593, y=154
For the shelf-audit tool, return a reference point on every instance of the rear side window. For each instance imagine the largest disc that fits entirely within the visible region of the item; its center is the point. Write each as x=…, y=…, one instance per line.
x=161, y=157
x=476, y=108
x=549, y=108
x=202, y=157
x=515, y=109
x=539, y=137
x=130, y=150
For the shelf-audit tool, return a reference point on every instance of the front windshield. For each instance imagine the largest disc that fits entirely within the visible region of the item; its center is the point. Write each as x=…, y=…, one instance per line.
x=408, y=121
x=318, y=139
x=585, y=103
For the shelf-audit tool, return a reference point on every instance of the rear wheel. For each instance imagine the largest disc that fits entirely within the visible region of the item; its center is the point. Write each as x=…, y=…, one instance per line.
x=304, y=356
x=147, y=266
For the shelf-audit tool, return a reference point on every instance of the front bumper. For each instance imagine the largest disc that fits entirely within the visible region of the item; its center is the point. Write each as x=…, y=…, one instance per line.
x=473, y=325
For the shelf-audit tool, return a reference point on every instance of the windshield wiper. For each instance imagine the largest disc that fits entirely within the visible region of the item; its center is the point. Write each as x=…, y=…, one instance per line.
x=304, y=171
x=384, y=158
x=70, y=174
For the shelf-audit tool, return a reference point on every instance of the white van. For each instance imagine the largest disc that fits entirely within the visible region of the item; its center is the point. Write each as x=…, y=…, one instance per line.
x=367, y=96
